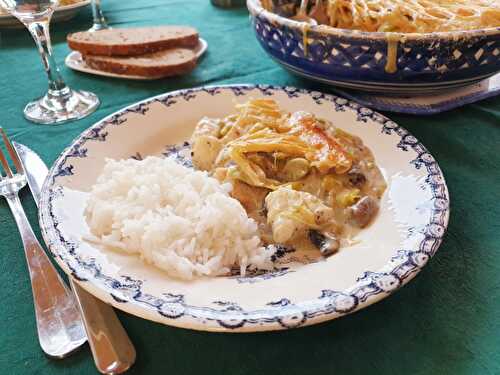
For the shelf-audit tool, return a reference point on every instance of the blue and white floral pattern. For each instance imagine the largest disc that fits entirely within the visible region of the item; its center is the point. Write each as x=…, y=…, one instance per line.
x=359, y=59
x=282, y=313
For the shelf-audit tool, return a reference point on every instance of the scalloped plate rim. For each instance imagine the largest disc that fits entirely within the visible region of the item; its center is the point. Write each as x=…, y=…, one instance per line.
x=214, y=323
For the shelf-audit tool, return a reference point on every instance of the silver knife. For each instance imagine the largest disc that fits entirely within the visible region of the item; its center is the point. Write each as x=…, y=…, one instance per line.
x=111, y=347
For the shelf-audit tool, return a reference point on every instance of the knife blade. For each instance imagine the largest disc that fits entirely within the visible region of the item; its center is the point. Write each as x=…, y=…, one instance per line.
x=37, y=171
x=111, y=347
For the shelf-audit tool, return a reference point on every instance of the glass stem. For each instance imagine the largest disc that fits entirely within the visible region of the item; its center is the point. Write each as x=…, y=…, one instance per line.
x=99, y=20
x=40, y=32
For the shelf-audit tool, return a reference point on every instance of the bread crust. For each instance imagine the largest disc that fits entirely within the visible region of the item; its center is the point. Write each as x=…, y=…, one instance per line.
x=162, y=64
x=187, y=39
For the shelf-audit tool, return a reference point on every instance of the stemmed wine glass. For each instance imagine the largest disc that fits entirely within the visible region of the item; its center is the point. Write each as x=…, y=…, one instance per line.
x=99, y=20
x=61, y=103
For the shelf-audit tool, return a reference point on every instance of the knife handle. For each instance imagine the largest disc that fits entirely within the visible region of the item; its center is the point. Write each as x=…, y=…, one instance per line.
x=58, y=321
x=111, y=347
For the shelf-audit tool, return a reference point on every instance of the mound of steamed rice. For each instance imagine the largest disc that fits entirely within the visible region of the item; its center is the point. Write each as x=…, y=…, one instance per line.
x=178, y=219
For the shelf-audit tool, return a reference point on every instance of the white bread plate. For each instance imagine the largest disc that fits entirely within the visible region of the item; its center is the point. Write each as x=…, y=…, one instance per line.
x=75, y=61
x=62, y=13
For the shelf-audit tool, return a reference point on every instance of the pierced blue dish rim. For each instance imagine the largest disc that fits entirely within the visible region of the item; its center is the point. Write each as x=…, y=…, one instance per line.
x=357, y=59
x=371, y=287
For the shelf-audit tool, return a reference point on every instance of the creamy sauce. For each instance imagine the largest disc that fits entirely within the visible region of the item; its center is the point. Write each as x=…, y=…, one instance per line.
x=316, y=199
x=344, y=229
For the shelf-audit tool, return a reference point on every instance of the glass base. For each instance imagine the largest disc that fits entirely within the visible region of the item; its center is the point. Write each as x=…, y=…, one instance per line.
x=61, y=106
x=99, y=26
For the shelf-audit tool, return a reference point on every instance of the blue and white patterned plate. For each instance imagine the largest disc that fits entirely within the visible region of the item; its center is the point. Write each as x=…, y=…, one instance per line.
x=407, y=232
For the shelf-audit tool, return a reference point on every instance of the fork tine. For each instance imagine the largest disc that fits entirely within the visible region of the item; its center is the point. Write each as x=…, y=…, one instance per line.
x=12, y=152
x=5, y=164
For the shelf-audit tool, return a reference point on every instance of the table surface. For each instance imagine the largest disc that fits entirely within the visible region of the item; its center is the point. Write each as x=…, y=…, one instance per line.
x=447, y=320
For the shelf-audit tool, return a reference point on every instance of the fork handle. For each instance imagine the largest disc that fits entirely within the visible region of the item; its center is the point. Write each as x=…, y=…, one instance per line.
x=59, y=324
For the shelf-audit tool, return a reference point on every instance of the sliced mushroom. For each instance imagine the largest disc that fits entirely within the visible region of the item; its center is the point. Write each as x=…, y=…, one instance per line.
x=363, y=211
x=295, y=169
x=204, y=151
x=205, y=144
x=326, y=243
x=292, y=213
x=356, y=177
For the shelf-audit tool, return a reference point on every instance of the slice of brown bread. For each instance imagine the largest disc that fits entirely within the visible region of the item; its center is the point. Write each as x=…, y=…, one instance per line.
x=132, y=41
x=170, y=62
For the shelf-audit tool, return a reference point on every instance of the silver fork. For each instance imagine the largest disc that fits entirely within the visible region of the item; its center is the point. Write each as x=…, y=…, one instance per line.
x=59, y=324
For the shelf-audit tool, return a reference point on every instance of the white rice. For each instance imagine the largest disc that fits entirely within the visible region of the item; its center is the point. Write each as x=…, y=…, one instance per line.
x=178, y=219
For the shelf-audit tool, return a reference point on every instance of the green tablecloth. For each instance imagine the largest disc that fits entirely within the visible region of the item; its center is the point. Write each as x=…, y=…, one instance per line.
x=445, y=321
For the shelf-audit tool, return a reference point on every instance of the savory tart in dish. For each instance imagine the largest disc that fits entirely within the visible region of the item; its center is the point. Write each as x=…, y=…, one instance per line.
x=306, y=182
x=402, y=16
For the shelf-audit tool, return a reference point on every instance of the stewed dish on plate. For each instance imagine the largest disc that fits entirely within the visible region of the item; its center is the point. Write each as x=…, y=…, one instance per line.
x=307, y=183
